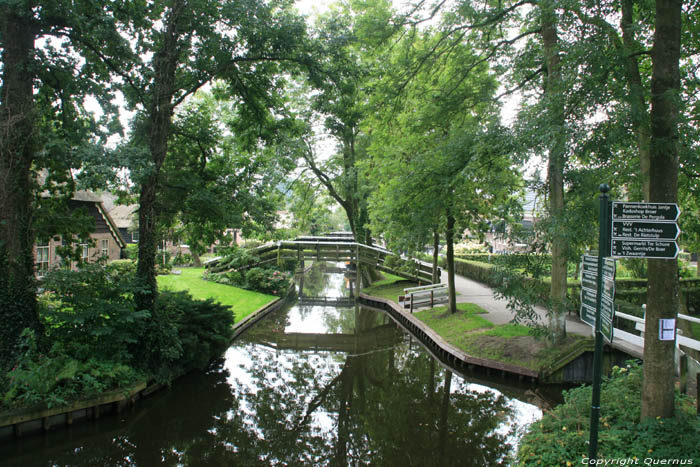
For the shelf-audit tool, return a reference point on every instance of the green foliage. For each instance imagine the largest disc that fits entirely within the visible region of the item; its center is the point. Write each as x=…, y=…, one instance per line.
x=96, y=339
x=562, y=435
x=263, y=280
x=56, y=377
x=121, y=267
x=131, y=251
x=182, y=259
x=92, y=312
x=234, y=258
x=183, y=334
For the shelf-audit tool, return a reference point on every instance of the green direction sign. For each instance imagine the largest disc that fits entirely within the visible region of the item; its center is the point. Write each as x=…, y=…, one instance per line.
x=646, y=230
x=606, y=326
x=627, y=248
x=588, y=298
x=589, y=281
x=590, y=264
x=667, y=212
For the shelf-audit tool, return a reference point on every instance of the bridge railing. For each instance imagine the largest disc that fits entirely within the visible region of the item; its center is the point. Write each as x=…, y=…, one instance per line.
x=323, y=250
x=686, y=367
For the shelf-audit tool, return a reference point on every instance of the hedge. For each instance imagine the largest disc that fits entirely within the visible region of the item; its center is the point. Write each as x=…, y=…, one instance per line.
x=630, y=293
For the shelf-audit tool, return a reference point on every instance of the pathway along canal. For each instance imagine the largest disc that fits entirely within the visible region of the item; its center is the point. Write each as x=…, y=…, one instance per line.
x=308, y=385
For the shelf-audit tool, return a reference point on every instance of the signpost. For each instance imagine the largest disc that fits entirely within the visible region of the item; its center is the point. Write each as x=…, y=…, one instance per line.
x=645, y=230
x=627, y=230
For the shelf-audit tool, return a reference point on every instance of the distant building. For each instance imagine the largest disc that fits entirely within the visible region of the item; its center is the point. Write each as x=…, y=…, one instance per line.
x=106, y=240
x=125, y=216
x=499, y=239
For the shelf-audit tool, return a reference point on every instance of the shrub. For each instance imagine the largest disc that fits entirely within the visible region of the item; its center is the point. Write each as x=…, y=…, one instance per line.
x=182, y=259
x=561, y=436
x=183, y=334
x=267, y=281
x=56, y=377
x=121, y=267
x=92, y=311
x=100, y=341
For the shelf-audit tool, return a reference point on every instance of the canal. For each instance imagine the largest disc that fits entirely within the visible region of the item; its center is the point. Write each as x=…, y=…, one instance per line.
x=311, y=384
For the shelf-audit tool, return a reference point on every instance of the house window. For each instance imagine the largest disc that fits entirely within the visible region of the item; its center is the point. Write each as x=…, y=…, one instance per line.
x=135, y=236
x=105, y=248
x=42, y=258
x=84, y=254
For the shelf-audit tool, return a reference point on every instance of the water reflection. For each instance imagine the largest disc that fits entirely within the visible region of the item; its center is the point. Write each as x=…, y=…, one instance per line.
x=307, y=386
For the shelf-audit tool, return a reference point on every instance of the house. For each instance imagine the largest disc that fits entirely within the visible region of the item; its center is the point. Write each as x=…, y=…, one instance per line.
x=498, y=238
x=106, y=240
x=125, y=216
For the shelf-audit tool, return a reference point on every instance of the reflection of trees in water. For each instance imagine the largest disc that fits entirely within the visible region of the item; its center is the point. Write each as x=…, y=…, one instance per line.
x=382, y=408
x=384, y=404
x=316, y=282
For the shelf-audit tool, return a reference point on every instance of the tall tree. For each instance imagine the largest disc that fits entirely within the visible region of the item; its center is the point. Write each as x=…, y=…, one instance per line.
x=663, y=291
x=440, y=160
x=183, y=46
x=49, y=65
x=214, y=180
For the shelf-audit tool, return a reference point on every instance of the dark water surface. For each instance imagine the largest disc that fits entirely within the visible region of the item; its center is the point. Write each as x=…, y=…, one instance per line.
x=307, y=386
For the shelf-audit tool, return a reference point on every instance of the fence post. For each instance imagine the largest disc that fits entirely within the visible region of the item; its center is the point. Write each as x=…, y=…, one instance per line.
x=684, y=374
x=431, y=299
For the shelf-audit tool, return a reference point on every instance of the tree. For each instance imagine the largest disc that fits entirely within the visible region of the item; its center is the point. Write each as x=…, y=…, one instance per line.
x=213, y=180
x=341, y=103
x=439, y=159
x=183, y=45
x=42, y=123
x=663, y=292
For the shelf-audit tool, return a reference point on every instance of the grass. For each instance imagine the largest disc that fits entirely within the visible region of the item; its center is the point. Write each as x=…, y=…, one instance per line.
x=390, y=287
x=455, y=327
x=244, y=302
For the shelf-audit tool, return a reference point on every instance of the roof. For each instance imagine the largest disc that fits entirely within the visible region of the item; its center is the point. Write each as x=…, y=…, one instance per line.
x=123, y=215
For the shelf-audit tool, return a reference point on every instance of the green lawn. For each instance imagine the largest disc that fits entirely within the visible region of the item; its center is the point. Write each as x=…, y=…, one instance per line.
x=244, y=302
x=454, y=327
x=390, y=287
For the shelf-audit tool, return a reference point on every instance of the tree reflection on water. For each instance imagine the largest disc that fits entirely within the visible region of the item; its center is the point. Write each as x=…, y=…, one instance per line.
x=313, y=387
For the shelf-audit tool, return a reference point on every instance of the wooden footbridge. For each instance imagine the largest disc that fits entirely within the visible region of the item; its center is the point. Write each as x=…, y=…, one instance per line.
x=342, y=249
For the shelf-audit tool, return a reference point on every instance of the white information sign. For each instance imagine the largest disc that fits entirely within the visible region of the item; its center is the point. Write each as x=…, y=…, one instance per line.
x=667, y=329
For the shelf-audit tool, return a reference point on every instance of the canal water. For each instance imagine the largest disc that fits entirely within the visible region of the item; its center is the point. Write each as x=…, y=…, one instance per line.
x=312, y=384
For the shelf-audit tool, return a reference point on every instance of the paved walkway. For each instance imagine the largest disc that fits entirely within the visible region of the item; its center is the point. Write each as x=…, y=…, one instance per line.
x=470, y=291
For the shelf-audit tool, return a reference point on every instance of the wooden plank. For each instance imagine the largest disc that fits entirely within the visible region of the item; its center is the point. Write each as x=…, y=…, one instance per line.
x=14, y=417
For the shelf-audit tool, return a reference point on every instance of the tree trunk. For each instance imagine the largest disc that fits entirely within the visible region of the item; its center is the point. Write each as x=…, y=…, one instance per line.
x=638, y=105
x=165, y=63
x=449, y=242
x=555, y=105
x=17, y=116
x=436, y=246
x=444, y=409
x=663, y=297
x=196, y=260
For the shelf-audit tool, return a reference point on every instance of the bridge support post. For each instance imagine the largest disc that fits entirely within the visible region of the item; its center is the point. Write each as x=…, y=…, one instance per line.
x=358, y=273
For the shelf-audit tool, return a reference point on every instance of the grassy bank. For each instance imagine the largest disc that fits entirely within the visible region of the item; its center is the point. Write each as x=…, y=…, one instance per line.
x=467, y=330
x=390, y=287
x=244, y=302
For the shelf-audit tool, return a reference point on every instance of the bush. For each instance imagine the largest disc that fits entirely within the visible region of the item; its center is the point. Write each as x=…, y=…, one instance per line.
x=183, y=334
x=96, y=340
x=183, y=259
x=561, y=437
x=121, y=267
x=92, y=311
x=267, y=281
x=56, y=378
